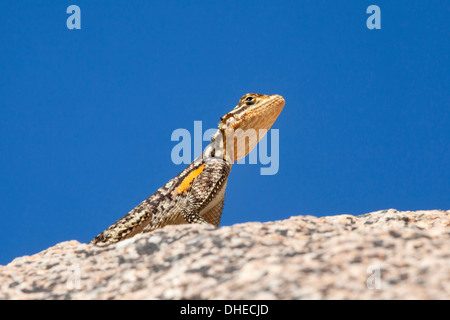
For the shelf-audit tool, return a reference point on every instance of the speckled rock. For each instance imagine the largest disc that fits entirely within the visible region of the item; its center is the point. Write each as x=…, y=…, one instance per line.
x=380, y=255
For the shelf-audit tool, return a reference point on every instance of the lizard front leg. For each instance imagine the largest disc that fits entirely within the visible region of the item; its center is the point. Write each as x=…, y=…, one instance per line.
x=206, y=195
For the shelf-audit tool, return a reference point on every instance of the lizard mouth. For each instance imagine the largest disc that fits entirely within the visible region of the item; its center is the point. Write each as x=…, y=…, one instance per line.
x=245, y=126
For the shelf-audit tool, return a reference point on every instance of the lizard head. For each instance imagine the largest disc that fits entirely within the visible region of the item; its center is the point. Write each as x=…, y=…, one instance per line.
x=245, y=125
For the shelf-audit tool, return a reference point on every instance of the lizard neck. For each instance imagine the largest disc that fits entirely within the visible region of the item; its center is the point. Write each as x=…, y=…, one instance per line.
x=216, y=149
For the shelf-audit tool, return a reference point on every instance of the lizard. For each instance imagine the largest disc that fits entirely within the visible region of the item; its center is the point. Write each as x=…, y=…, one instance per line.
x=197, y=194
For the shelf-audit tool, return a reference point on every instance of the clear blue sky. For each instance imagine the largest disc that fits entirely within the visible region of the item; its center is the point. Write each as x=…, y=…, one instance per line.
x=87, y=115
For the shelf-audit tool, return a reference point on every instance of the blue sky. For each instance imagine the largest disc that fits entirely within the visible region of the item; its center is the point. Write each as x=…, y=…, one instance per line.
x=87, y=115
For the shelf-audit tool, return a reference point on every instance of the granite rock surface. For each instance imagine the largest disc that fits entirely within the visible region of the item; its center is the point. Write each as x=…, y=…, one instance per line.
x=386, y=254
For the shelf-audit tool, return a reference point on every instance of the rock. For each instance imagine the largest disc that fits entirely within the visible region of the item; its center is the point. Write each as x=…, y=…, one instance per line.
x=380, y=255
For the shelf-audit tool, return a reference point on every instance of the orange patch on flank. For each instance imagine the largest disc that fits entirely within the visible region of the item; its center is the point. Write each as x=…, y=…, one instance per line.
x=186, y=184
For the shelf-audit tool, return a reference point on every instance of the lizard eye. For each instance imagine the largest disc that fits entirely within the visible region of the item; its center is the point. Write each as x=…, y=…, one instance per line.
x=249, y=101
